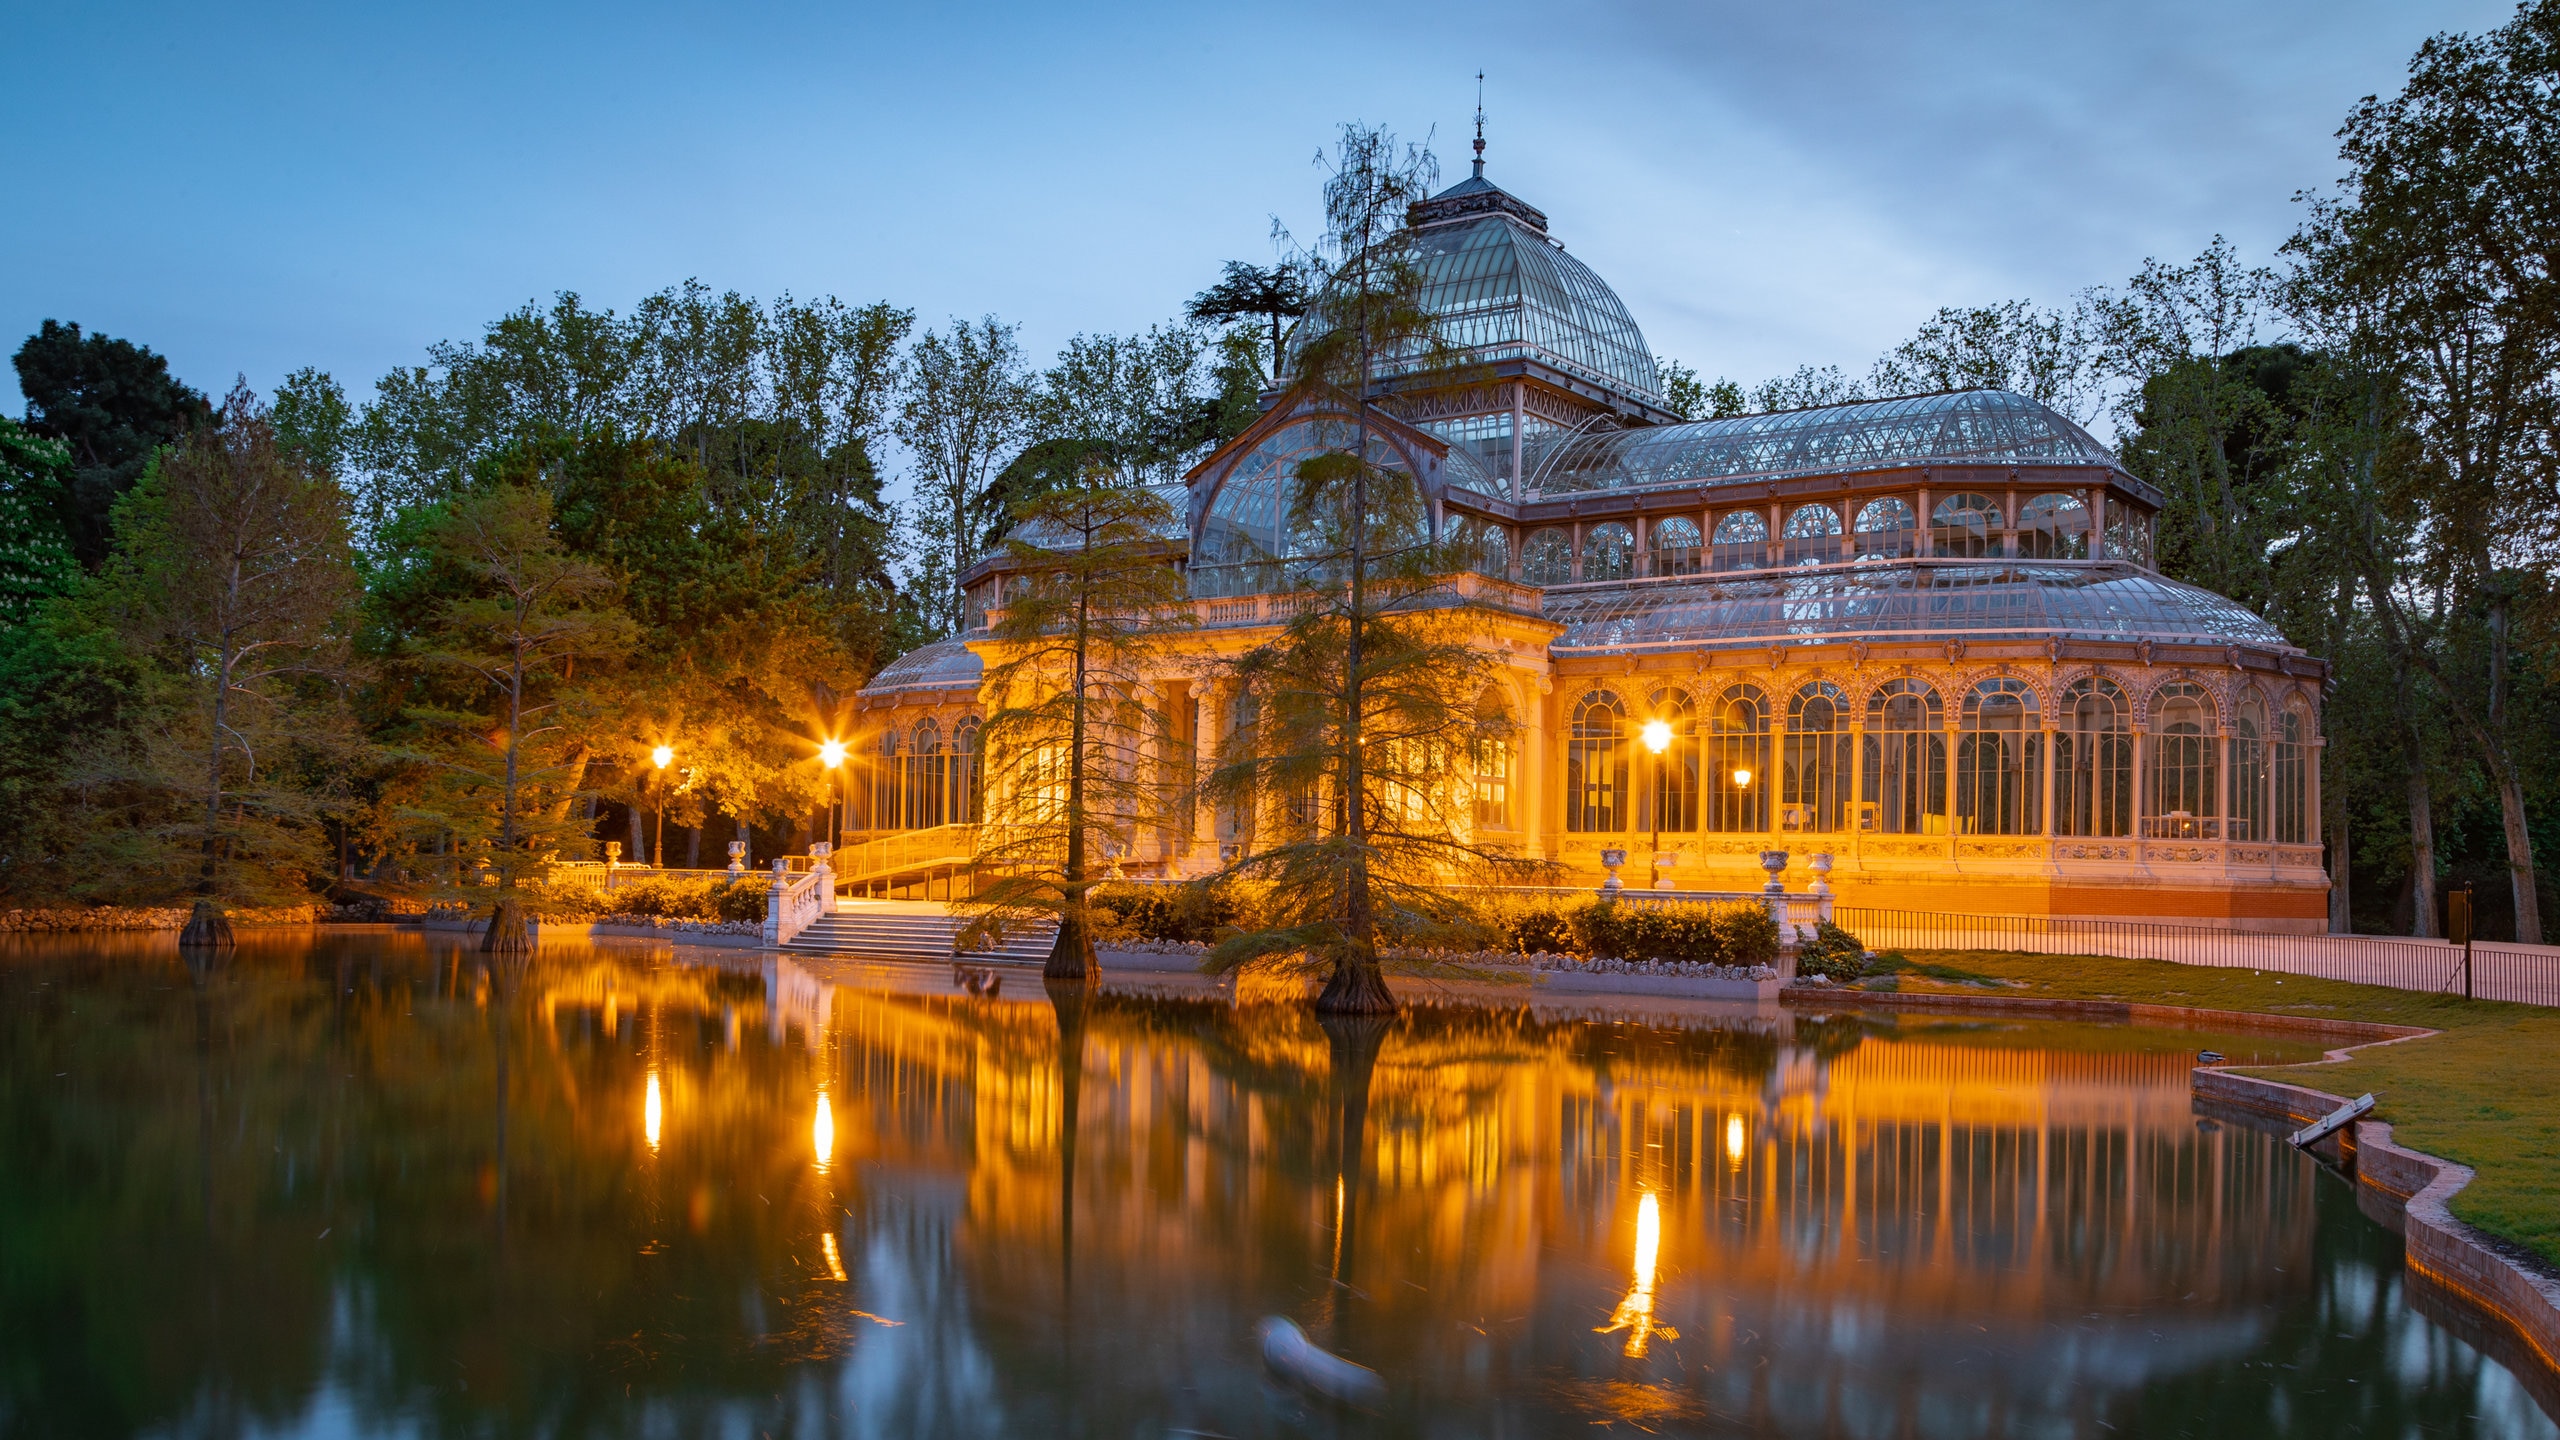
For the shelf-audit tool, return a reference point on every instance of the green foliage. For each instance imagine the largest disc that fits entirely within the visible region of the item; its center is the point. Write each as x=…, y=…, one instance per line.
x=676, y=897
x=1833, y=953
x=112, y=403
x=1716, y=932
x=1200, y=912
x=35, y=558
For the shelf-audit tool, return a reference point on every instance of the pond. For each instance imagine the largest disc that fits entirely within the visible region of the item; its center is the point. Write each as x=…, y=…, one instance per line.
x=361, y=1184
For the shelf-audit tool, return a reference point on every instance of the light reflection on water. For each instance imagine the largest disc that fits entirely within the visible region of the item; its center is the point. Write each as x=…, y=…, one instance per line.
x=366, y=1185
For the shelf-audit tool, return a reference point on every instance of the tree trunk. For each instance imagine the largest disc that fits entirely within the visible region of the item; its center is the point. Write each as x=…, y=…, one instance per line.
x=693, y=847
x=639, y=847
x=207, y=929
x=509, y=932
x=2341, y=899
x=1072, y=958
x=2422, y=840
x=2520, y=876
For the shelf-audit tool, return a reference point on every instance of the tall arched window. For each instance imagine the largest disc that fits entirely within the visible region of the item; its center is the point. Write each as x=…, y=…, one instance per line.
x=968, y=777
x=888, y=784
x=1966, y=524
x=2000, y=761
x=1674, y=792
x=1887, y=530
x=1608, y=552
x=1813, y=535
x=1813, y=774
x=1546, y=557
x=1676, y=547
x=2249, y=797
x=2294, y=821
x=1742, y=541
x=1906, y=759
x=1493, y=552
x=1493, y=752
x=1595, y=776
x=2093, y=760
x=2185, y=791
x=1737, y=761
x=2053, y=527
x=925, y=778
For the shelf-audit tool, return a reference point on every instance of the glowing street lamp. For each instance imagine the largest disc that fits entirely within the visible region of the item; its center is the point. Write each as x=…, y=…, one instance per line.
x=831, y=755
x=1657, y=738
x=662, y=757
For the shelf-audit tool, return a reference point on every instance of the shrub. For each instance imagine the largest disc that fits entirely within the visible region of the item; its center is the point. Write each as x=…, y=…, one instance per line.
x=711, y=898
x=1196, y=912
x=1536, y=926
x=1746, y=932
x=741, y=900
x=1832, y=953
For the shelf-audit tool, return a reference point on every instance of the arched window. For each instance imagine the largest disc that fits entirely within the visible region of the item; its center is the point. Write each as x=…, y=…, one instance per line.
x=2053, y=527
x=968, y=777
x=2249, y=778
x=888, y=784
x=1905, y=792
x=1813, y=535
x=1887, y=530
x=1493, y=552
x=1737, y=761
x=2294, y=821
x=2185, y=791
x=1676, y=547
x=1493, y=752
x=1742, y=540
x=2093, y=760
x=1608, y=552
x=1674, y=792
x=2000, y=761
x=1595, y=778
x=925, y=777
x=1966, y=524
x=1546, y=558
x=1813, y=775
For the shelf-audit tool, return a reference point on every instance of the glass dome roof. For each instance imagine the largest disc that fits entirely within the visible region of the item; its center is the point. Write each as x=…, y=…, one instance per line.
x=942, y=665
x=1504, y=291
x=1978, y=426
x=1907, y=601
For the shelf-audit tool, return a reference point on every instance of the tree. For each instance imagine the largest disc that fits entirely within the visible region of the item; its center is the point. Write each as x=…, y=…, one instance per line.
x=1067, y=760
x=968, y=396
x=1270, y=294
x=1363, y=710
x=508, y=753
x=113, y=403
x=2439, y=247
x=233, y=567
x=2050, y=356
x=35, y=558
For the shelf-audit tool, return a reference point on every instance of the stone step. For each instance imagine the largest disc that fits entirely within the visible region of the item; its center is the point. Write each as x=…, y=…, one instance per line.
x=922, y=937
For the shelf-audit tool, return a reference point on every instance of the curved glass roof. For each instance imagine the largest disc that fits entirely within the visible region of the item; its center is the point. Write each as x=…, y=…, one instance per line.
x=1979, y=426
x=942, y=665
x=1907, y=601
x=1504, y=291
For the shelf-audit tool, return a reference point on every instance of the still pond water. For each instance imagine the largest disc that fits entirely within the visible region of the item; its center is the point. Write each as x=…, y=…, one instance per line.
x=361, y=1185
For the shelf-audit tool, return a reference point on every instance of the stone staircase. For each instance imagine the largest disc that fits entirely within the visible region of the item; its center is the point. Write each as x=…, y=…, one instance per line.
x=912, y=932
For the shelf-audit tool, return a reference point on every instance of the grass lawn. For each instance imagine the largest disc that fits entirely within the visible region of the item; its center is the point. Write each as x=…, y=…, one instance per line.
x=2486, y=1092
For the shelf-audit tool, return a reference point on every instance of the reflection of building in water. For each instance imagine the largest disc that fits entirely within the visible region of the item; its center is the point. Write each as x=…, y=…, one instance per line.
x=1867, y=1209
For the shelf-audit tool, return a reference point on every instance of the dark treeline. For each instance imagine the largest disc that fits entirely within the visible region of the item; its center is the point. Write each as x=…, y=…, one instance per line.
x=255, y=646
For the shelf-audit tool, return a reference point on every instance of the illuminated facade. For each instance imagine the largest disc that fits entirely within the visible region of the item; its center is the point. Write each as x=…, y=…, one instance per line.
x=1924, y=636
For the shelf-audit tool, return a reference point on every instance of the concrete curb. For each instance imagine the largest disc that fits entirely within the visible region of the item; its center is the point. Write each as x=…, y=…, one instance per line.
x=2360, y=1032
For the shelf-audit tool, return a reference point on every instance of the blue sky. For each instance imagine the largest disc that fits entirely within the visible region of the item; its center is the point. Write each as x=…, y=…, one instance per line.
x=256, y=187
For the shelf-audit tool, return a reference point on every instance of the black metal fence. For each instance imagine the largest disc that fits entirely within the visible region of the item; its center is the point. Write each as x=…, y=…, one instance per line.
x=2526, y=974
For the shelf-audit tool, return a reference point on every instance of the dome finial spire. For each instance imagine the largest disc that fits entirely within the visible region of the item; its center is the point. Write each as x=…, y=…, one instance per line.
x=1479, y=124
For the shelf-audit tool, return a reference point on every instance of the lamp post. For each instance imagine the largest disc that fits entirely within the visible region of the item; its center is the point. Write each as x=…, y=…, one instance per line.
x=662, y=757
x=1657, y=738
x=831, y=755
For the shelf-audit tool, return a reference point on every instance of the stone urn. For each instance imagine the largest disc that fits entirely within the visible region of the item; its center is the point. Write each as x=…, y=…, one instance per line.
x=737, y=858
x=612, y=853
x=1821, y=864
x=1613, y=859
x=1775, y=862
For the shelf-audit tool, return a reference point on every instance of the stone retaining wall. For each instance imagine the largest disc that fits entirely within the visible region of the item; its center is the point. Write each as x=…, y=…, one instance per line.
x=72, y=919
x=2518, y=1294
